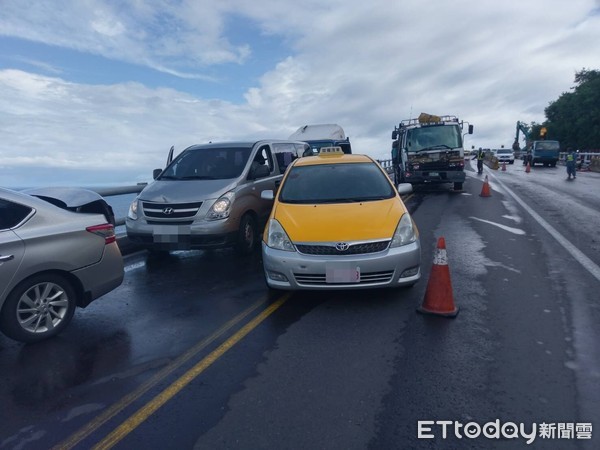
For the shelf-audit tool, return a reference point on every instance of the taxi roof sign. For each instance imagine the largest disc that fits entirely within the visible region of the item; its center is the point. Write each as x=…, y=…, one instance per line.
x=327, y=151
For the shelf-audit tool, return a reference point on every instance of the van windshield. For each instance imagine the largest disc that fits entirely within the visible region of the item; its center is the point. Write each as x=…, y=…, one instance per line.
x=208, y=164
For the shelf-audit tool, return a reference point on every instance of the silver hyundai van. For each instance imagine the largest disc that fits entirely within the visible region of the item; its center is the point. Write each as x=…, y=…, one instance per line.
x=209, y=196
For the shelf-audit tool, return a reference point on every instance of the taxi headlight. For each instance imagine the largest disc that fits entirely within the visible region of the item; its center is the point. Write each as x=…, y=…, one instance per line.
x=277, y=237
x=405, y=232
x=222, y=207
x=133, y=209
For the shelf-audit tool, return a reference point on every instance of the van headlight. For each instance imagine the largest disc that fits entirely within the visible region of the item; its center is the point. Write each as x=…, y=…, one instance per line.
x=277, y=238
x=222, y=207
x=405, y=232
x=133, y=209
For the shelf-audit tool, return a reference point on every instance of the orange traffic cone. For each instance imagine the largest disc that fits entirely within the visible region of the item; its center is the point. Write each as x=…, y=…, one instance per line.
x=528, y=168
x=485, y=189
x=439, y=299
x=503, y=167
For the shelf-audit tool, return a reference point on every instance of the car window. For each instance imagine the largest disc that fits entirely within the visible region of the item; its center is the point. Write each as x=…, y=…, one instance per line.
x=285, y=153
x=263, y=158
x=12, y=214
x=208, y=163
x=336, y=183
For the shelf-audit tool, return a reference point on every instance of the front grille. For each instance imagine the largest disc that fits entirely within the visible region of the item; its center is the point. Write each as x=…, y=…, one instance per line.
x=310, y=279
x=354, y=249
x=170, y=222
x=170, y=210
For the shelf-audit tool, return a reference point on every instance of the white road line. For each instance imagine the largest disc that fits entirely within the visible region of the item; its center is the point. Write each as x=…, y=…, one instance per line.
x=586, y=262
x=499, y=225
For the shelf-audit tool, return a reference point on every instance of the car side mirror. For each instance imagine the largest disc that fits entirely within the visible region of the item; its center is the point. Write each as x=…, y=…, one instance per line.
x=156, y=173
x=404, y=188
x=394, y=135
x=267, y=195
x=470, y=129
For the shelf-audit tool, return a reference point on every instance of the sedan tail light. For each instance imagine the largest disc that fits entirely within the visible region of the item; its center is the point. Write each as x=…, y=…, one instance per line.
x=106, y=230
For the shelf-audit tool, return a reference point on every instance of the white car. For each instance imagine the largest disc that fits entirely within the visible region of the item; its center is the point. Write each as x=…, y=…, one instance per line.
x=505, y=155
x=58, y=250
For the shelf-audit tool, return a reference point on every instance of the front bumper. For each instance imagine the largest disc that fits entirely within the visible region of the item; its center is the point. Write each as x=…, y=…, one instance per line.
x=435, y=176
x=171, y=236
x=393, y=267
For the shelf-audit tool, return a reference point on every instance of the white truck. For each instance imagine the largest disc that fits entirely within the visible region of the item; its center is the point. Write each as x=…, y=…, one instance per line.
x=322, y=135
x=429, y=149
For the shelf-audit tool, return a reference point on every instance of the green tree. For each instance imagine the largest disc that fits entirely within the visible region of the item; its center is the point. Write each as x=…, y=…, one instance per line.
x=574, y=118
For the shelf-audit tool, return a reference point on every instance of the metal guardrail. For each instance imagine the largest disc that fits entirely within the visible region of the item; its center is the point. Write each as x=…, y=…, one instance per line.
x=387, y=165
x=119, y=190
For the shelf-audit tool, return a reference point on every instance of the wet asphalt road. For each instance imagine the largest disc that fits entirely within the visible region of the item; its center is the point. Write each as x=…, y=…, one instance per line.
x=333, y=370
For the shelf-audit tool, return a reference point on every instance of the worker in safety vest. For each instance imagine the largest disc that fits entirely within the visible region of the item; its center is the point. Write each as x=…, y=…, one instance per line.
x=571, y=163
x=480, y=157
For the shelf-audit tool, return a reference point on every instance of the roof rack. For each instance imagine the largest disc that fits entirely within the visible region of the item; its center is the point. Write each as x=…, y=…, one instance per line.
x=428, y=119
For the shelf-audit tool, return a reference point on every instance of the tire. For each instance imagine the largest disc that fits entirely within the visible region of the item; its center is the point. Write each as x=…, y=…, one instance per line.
x=52, y=299
x=458, y=186
x=247, y=235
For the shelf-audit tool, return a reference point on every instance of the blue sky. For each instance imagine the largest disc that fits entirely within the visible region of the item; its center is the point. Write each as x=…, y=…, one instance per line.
x=97, y=91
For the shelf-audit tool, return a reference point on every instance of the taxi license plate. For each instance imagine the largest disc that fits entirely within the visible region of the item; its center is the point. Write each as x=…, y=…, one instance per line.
x=342, y=273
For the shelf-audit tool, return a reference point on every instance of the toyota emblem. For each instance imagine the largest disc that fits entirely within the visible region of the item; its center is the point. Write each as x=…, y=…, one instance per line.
x=168, y=211
x=342, y=246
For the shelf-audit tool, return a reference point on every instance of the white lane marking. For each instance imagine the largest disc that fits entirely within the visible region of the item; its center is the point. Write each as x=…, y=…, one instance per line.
x=586, y=262
x=134, y=266
x=499, y=225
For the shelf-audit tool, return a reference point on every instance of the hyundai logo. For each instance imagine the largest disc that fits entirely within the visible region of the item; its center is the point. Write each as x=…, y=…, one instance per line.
x=168, y=211
x=342, y=246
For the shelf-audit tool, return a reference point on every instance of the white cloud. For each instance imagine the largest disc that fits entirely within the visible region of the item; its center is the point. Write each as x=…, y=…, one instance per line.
x=364, y=65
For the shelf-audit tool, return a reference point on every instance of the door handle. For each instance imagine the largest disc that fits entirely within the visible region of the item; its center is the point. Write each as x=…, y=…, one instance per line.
x=6, y=258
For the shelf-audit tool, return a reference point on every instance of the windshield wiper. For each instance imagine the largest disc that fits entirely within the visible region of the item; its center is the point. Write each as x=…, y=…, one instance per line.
x=374, y=198
x=198, y=177
x=434, y=147
x=168, y=177
x=336, y=200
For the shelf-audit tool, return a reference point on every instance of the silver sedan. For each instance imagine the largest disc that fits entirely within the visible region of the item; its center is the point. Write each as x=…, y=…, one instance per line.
x=58, y=250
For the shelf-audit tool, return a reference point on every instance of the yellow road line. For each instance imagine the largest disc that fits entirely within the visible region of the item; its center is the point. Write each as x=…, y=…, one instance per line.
x=152, y=406
x=108, y=414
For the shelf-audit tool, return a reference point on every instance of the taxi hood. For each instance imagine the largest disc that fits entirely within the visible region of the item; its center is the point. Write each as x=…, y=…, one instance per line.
x=340, y=222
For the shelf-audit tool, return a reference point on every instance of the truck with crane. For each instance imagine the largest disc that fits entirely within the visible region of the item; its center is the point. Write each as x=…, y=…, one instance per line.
x=542, y=151
x=429, y=150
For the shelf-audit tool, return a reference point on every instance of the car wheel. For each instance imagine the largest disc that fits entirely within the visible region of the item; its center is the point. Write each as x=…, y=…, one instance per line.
x=247, y=235
x=38, y=308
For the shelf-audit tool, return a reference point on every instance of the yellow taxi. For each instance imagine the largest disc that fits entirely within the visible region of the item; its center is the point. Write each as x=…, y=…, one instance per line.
x=338, y=222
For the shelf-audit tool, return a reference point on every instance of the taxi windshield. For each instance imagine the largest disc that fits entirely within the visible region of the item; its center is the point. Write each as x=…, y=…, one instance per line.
x=336, y=183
